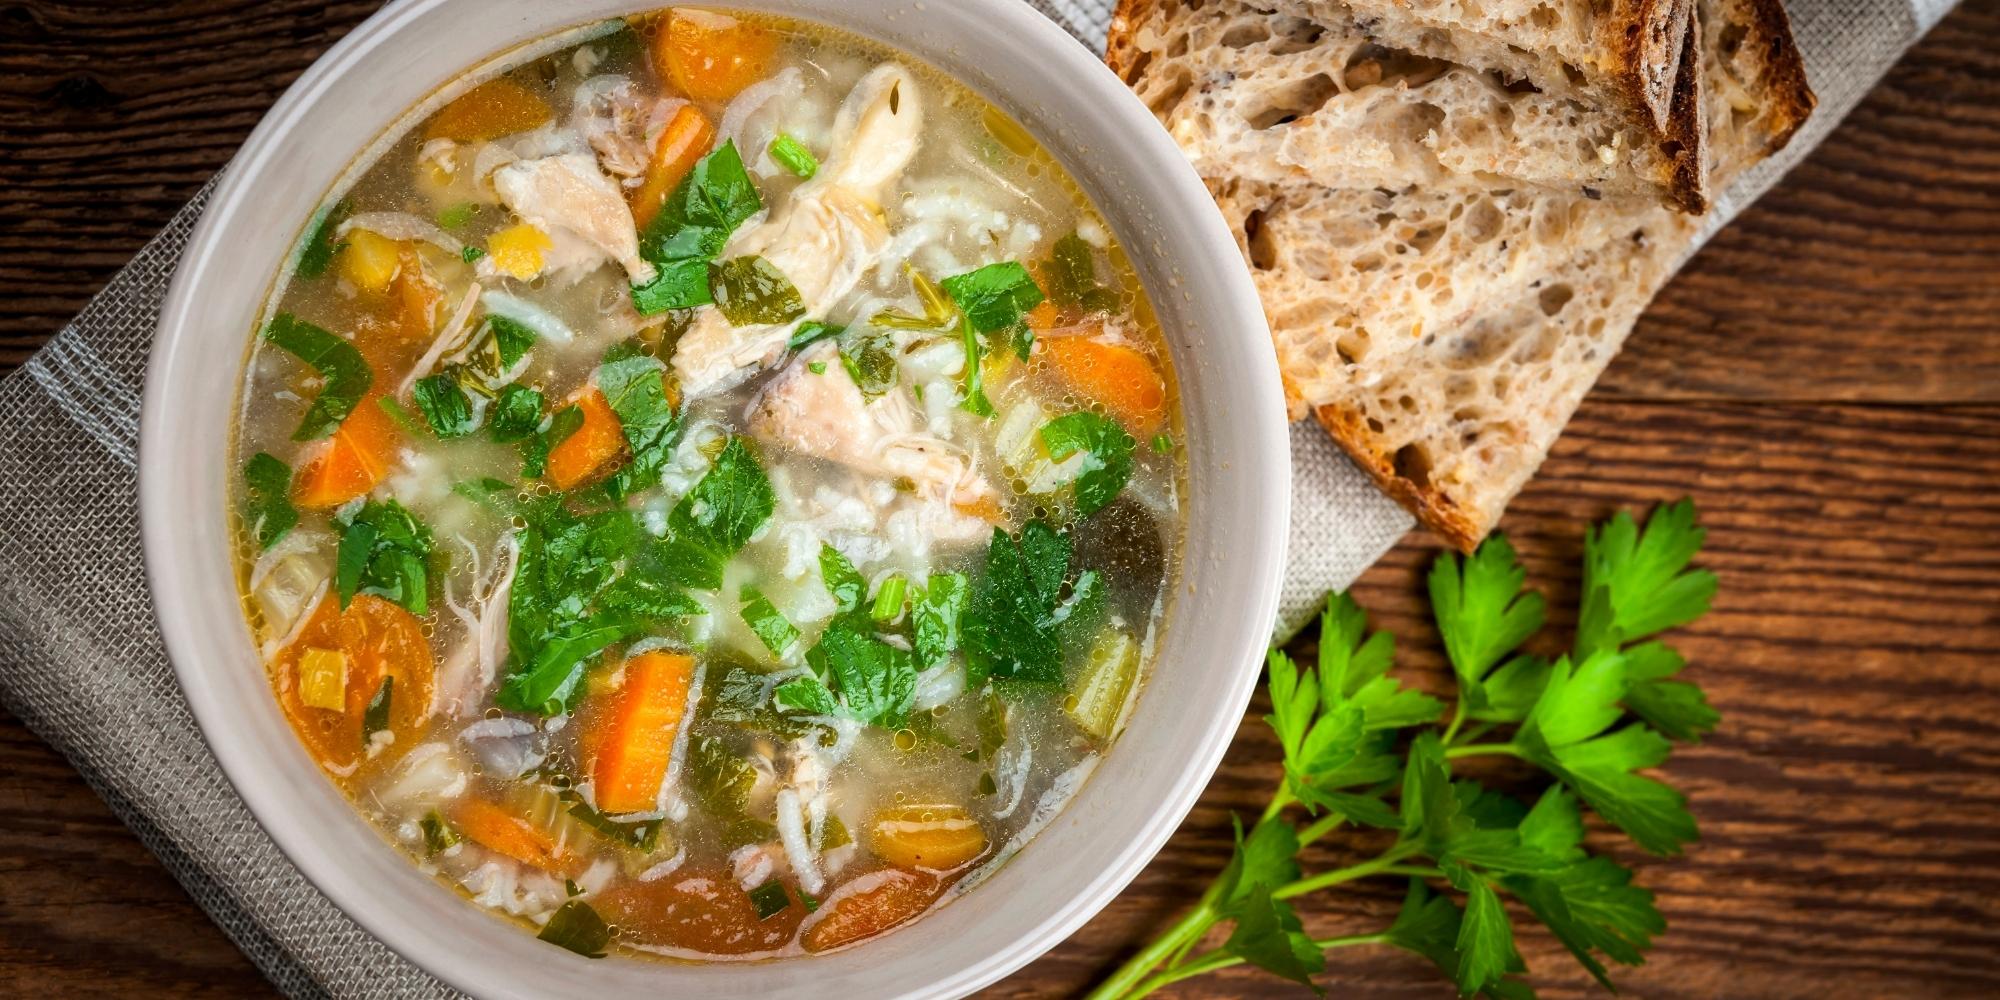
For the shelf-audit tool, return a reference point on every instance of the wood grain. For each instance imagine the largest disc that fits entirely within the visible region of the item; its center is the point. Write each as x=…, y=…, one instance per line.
x=1824, y=380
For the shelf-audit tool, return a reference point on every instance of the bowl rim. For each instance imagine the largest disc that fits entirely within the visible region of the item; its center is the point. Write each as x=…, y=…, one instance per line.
x=1259, y=539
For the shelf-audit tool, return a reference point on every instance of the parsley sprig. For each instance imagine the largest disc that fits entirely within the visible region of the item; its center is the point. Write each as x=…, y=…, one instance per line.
x=1361, y=748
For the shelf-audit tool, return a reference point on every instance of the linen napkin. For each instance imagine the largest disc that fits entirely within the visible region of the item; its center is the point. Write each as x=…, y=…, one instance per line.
x=81, y=660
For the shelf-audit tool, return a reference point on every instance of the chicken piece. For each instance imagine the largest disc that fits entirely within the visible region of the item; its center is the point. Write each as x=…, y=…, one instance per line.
x=568, y=198
x=618, y=121
x=825, y=415
x=824, y=239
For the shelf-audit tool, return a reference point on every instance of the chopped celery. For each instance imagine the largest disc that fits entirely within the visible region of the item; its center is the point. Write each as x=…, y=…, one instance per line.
x=1106, y=679
x=889, y=599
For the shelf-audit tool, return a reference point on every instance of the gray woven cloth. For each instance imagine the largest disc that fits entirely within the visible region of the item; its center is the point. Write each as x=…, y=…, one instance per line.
x=81, y=660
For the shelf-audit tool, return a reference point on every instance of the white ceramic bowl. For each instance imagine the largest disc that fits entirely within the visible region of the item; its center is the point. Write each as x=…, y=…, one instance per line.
x=1211, y=650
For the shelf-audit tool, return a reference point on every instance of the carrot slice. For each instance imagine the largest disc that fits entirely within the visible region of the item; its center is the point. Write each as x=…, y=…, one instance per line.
x=1120, y=378
x=380, y=640
x=684, y=141
x=352, y=462
x=502, y=832
x=710, y=56
x=583, y=455
x=931, y=837
x=495, y=108
x=870, y=905
x=634, y=740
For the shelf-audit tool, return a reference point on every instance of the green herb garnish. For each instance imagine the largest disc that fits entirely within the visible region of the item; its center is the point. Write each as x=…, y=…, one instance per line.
x=812, y=331
x=716, y=519
x=375, y=718
x=456, y=216
x=1163, y=444
x=512, y=338
x=995, y=297
x=1021, y=609
x=1107, y=451
x=446, y=406
x=842, y=580
x=934, y=617
x=269, y=483
x=517, y=414
x=384, y=551
x=889, y=599
x=770, y=899
x=871, y=363
x=877, y=682
x=752, y=291
x=345, y=372
x=769, y=624
x=577, y=927
x=1071, y=271
x=794, y=156
x=316, y=255
x=692, y=228
x=439, y=837
x=633, y=387
x=1361, y=748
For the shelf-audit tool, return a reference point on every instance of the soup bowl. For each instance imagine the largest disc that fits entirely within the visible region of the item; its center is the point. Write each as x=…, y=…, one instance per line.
x=1221, y=607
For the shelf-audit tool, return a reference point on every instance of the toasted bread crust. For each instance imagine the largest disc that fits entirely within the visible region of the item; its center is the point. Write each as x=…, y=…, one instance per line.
x=1688, y=145
x=1121, y=46
x=1651, y=39
x=1431, y=506
x=1792, y=98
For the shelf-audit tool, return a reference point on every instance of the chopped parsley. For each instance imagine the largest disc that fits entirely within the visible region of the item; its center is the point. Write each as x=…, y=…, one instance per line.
x=692, y=228
x=812, y=331
x=935, y=616
x=716, y=519
x=770, y=899
x=1071, y=270
x=346, y=374
x=517, y=414
x=375, y=718
x=875, y=681
x=269, y=484
x=634, y=387
x=991, y=300
x=512, y=338
x=321, y=243
x=456, y=216
x=577, y=927
x=1024, y=605
x=383, y=551
x=842, y=580
x=446, y=405
x=1107, y=451
x=771, y=627
x=752, y=291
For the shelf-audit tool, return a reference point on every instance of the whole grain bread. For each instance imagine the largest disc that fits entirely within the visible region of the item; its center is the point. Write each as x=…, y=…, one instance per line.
x=1442, y=320
x=1255, y=93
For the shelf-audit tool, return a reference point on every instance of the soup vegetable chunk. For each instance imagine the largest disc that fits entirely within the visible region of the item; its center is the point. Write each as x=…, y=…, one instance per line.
x=708, y=487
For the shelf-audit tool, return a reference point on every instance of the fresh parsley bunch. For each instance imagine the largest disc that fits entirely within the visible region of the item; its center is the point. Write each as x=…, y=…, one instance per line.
x=1362, y=749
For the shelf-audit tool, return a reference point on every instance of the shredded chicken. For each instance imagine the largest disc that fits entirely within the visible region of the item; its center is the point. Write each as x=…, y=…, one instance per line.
x=468, y=670
x=620, y=123
x=824, y=414
x=824, y=239
x=582, y=211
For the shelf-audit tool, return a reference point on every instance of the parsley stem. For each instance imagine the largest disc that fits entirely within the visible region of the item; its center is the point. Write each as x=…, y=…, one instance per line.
x=1457, y=720
x=1378, y=866
x=1220, y=959
x=1189, y=929
x=1279, y=800
x=1483, y=750
x=1321, y=827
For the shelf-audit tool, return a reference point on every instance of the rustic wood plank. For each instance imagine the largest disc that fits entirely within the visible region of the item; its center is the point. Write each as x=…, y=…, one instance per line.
x=1849, y=803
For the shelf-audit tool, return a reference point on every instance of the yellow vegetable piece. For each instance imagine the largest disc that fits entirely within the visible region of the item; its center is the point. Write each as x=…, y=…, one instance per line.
x=518, y=250
x=323, y=679
x=370, y=261
x=932, y=837
x=1102, y=688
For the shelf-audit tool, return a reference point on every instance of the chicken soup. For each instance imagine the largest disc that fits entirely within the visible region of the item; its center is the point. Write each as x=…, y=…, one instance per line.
x=708, y=487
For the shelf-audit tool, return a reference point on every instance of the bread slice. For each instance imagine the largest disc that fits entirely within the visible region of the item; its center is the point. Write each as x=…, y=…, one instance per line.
x=1444, y=326
x=1444, y=338
x=1266, y=96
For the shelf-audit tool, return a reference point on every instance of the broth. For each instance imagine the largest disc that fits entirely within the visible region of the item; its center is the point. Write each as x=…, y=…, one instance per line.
x=709, y=490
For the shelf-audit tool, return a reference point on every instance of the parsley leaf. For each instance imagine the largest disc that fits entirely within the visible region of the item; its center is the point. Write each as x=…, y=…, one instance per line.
x=771, y=627
x=751, y=290
x=1019, y=610
x=1269, y=936
x=445, y=405
x=269, y=484
x=634, y=389
x=1635, y=585
x=1482, y=613
x=876, y=681
x=1107, y=466
x=692, y=228
x=807, y=694
x=577, y=927
x=1485, y=942
x=383, y=551
x=716, y=519
x=535, y=449
x=1676, y=708
x=346, y=374
x=935, y=616
x=1071, y=271
x=842, y=580
x=812, y=331
x=321, y=243
x=517, y=414
x=512, y=339
x=1268, y=857
x=1565, y=733
x=994, y=297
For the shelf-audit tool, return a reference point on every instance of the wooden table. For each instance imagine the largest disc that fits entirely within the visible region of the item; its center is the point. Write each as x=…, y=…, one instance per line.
x=1824, y=379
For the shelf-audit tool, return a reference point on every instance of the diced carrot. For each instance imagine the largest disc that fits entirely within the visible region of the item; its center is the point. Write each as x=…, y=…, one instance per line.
x=1043, y=316
x=684, y=142
x=379, y=640
x=634, y=740
x=502, y=832
x=353, y=461
x=495, y=108
x=710, y=56
x=931, y=837
x=987, y=508
x=1119, y=377
x=700, y=909
x=582, y=456
x=870, y=905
